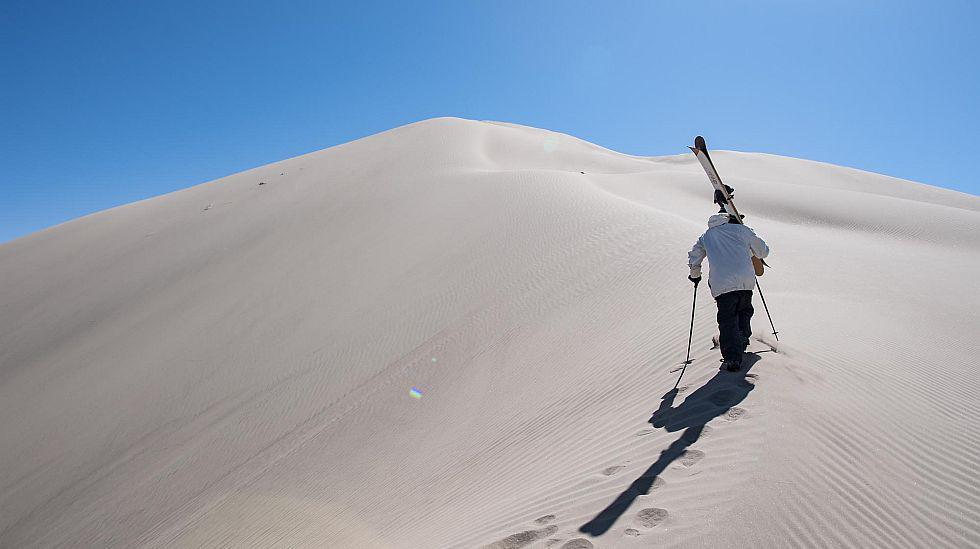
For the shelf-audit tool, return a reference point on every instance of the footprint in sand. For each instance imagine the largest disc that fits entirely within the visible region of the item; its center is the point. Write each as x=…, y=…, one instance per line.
x=578, y=543
x=734, y=413
x=545, y=519
x=657, y=483
x=691, y=457
x=610, y=471
x=523, y=539
x=631, y=532
x=651, y=517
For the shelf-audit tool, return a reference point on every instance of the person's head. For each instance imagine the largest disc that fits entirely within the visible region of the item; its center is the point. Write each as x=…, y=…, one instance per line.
x=719, y=219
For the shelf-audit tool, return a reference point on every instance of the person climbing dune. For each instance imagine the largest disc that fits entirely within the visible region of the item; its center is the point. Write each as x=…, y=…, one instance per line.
x=729, y=247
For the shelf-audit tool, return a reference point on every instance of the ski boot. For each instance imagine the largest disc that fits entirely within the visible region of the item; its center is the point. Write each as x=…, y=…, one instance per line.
x=732, y=365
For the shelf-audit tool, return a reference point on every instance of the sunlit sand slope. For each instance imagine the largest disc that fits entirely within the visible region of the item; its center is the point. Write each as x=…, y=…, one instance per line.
x=462, y=334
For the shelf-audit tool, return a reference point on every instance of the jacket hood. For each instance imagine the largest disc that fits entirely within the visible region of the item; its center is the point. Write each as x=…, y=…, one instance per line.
x=718, y=219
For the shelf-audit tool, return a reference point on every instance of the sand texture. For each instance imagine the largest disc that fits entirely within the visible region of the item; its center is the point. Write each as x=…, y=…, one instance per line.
x=231, y=365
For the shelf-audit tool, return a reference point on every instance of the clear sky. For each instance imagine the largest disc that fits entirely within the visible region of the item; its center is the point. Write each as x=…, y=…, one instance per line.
x=103, y=103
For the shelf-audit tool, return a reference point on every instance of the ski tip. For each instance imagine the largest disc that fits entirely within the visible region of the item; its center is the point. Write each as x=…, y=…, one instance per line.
x=700, y=144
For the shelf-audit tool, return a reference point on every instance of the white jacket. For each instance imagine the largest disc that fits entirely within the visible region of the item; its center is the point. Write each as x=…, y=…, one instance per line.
x=729, y=247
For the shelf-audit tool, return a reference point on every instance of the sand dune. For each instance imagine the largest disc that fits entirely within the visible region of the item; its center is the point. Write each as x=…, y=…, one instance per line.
x=231, y=365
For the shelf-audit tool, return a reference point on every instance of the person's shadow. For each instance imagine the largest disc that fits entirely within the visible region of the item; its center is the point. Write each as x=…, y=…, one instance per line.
x=715, y=398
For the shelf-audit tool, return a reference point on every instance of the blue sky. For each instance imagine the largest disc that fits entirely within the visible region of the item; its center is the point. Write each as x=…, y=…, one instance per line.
x=103, y=103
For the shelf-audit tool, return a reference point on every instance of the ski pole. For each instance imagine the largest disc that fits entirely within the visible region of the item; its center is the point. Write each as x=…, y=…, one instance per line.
x=690, y=336
x=774, y=332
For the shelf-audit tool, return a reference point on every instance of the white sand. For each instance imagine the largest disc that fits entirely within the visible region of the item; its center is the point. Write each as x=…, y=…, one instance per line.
x=176, y=376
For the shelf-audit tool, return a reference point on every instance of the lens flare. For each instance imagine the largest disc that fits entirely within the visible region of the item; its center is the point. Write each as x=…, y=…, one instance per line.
x=415, y=393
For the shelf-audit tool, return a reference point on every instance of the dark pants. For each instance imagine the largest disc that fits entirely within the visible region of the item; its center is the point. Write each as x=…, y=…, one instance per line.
x=734, y=317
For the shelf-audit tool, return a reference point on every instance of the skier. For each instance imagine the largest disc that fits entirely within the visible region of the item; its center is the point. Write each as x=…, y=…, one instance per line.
x=729, y=246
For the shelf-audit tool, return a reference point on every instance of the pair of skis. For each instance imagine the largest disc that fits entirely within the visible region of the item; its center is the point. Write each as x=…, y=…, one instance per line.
x=723, y=193
x=723, y=197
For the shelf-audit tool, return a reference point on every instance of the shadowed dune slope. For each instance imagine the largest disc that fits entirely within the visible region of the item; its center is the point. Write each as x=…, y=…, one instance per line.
x=231, y=365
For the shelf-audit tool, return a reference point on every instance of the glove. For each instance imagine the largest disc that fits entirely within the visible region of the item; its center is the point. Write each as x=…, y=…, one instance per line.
x=695, y=280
